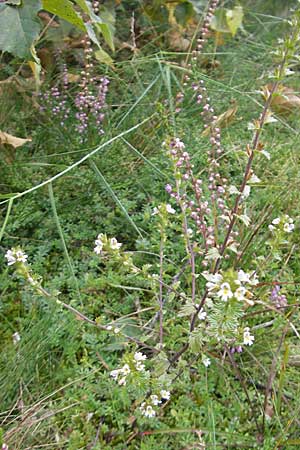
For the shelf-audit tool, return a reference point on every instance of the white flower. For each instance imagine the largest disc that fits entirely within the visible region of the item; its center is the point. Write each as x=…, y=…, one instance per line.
x=139, y=356
x=213, y=281
x=155, y=400
x=139, y=366
x=122, y=381
x=206, y=361
x=246, y=191
x=169, y=209
x=11, y=258
x=99, y=243
x=243, y=277
x=288, y=227
x=190, y=232
x=125, y=369
x=254, y=179
x=288, y=72
x=117, y=330
x=99, y=246
x=14, y=256
x=115, y=373
x=254, y=280
x=248, y=338
x=165, y=394
x=225, y=292
x=114, y=244
x=16, y=337
x=21, y=256
x=213, y=278
x=240, y=294
x=202, y=314
x=147, y=411
x=276, y=221
x=271, y=228
x=177, y=143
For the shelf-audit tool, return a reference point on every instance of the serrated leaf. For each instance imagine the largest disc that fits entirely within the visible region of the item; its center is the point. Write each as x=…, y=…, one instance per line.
x=65, y=10
x=213, y=253
x=19, y=27
x=234, y=19
x=187, y=310
x=196, y=341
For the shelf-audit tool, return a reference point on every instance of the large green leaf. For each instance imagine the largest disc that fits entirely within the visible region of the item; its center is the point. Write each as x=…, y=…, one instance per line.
x=19, y=27
x=65, y=10
x=234, y=19
x=227, y=20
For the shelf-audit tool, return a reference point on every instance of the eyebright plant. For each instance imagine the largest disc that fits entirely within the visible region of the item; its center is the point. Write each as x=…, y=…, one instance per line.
x=207, y=292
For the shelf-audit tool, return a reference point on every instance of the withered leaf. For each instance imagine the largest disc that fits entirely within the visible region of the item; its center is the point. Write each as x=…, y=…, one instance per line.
x=14, y=141
x=284, y=101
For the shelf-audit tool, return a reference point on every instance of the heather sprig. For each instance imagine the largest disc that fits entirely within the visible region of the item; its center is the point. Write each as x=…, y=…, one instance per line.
x=85, y=112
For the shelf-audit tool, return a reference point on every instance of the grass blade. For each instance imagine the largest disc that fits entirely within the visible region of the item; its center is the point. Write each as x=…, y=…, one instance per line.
x=115, y=198
x=10, y=203
x=61, y=234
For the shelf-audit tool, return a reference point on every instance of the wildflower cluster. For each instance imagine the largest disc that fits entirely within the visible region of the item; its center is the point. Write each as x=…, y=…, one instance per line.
x=248, y=338
x=189, y=195
x=147, y=408
x=15, y=255
x=231, y=286
x=284, y=224
x=162, y=209
x=133, y=365
x=104, y=244
x=88, y=105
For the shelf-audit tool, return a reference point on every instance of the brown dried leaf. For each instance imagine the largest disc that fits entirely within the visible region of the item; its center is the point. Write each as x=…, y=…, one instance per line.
x=177, y=41
x=14, y=141
x=284, y=101
x=223, y=120
x=73, y=77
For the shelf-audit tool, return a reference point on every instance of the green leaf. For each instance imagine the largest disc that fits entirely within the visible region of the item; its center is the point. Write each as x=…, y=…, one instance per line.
x=65, y=10
x=103, y=57
x=234, y=19
x=19, y=27
x=105, y=29
x=107, y=26
x=219, y=21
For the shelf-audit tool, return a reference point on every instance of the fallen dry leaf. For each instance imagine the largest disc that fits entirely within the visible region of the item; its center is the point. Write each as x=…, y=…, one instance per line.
x=177, y=41
x=14, y=141
x=223, y=120
x=284, y=101
x=73, y=77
